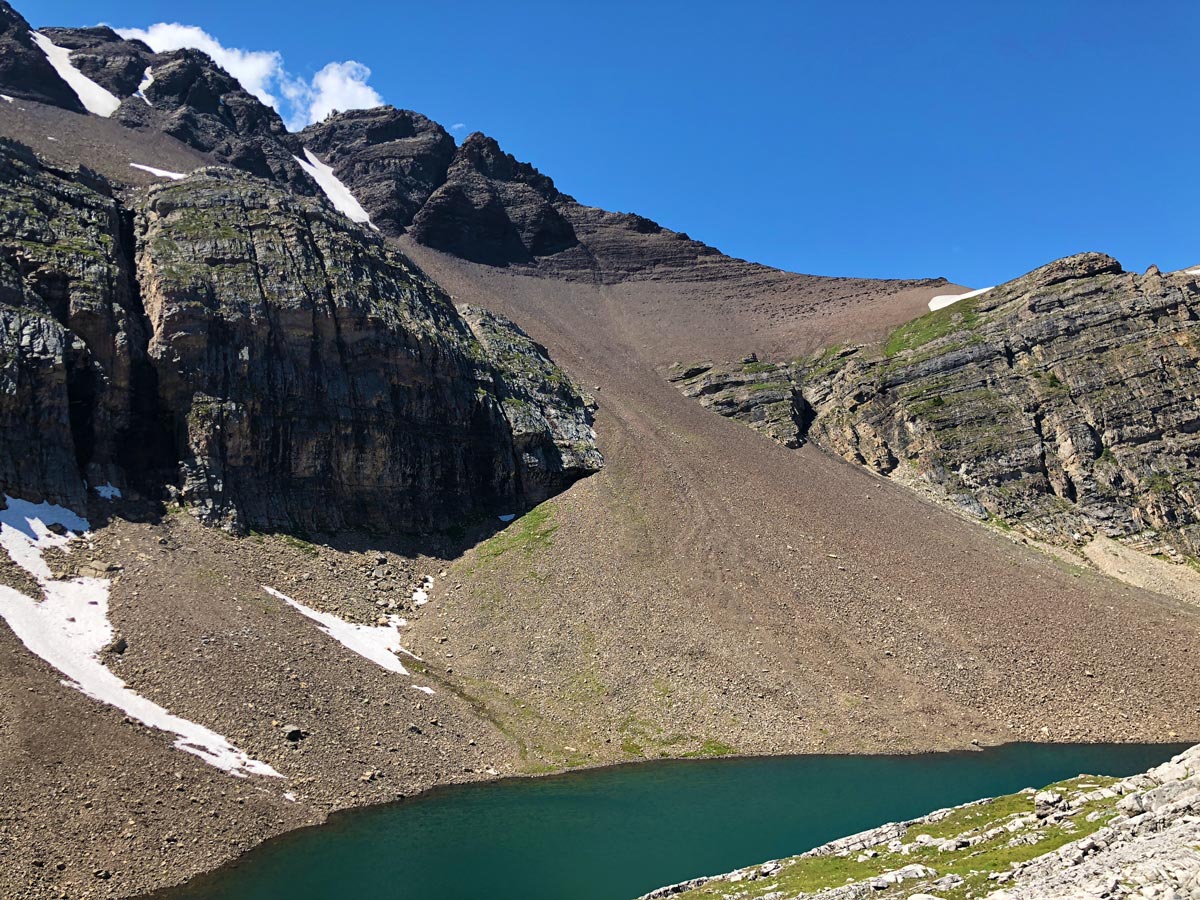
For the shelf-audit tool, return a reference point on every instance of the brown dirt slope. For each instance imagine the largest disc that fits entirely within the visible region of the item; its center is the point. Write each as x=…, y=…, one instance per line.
x=713, y=589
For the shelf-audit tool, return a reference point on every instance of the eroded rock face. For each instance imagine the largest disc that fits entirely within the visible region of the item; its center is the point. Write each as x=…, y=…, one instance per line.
x=493, y=209
x=70, y=330
x=762, y=395
x=393, y=159
x=277, y=364
x=24, y=70
x=1065, y=401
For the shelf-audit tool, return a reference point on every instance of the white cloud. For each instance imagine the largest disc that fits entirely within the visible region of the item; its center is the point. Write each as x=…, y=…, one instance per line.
x=339, y=85
x=458, y=126
x=255, y=69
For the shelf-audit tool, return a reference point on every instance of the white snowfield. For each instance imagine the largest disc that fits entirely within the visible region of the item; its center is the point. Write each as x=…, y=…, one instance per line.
x=339, y=195
x=6, y=98
x=1195, y=271
x=95, y=99
x=161, y=173
x=69, y=627
x=108, y=491
x=941, y=301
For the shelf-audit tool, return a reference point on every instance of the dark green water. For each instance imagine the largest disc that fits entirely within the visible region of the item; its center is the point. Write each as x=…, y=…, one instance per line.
x=612, y=834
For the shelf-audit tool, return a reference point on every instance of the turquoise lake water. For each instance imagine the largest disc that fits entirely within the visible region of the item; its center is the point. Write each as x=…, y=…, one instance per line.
x=612, y=834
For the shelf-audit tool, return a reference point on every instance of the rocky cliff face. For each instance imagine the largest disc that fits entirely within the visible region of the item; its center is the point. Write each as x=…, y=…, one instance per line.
x=277, y=364
x=72, y=338
x=24, y=70
x=764, y=396
x=1064, y=402
x=393, y=159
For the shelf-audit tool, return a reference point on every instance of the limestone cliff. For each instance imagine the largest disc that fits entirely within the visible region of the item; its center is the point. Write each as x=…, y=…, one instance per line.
x=272, y=362
x=1065, y=402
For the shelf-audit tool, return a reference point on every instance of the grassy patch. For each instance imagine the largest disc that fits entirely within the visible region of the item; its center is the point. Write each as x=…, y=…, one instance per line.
x=298, y=543
x=925, y=407
x=961, y=316
x=758, y=367
x=532, y=532
x=768, y=386
x=712, y=747
x=823, y=363
x=973, y=864
x=1159, y=483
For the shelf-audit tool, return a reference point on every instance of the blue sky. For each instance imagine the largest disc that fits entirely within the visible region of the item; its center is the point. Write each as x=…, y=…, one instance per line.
x=888, y=139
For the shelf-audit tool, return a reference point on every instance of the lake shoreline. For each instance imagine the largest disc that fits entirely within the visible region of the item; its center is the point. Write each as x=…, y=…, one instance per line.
x=333, y=823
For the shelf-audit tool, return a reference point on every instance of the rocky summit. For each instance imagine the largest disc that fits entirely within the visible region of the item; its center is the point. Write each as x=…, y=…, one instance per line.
x=345, y=462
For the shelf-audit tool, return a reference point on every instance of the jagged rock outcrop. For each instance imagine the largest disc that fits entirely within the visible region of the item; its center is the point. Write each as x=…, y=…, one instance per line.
x=188, y=97
x=277, y=364
x=761, y=395
x=1065, y=402
x=393, y=159
x=198, y=103
x=1150, y=849
x=114, y=63
x=493, y=209
x=24, y=70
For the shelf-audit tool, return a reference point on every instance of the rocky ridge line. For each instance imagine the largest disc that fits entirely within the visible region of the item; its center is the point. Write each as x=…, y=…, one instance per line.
x=1064, y=403
x=474, y=201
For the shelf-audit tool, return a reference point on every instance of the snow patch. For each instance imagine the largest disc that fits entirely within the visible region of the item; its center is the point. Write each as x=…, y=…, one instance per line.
x=1195, y=271
x=339, y=195
x=147, y=80
x=421, y=595
x=507, y=517
x=108, y=491
x=423, y=689
x=51, y=138
x=95, y=99
x=6, y=98
x=161, y=173
x=378, y=643
x=941, y=301
x=69, y=627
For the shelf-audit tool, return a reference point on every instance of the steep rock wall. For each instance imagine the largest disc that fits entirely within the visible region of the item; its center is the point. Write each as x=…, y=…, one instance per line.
x=267, y=360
